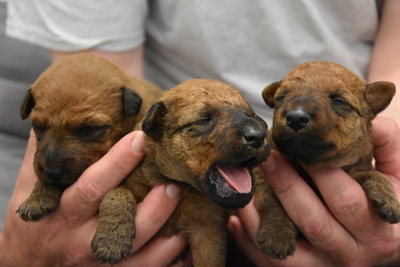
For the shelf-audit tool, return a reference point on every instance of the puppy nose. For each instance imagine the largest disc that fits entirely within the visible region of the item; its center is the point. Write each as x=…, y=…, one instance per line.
x=297, y=119
x=254, y=137
x=54, y=174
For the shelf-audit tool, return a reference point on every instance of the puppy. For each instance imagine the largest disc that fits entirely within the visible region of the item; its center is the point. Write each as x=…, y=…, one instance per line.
x=322, y=118
x=203, y=136
x=79, y=108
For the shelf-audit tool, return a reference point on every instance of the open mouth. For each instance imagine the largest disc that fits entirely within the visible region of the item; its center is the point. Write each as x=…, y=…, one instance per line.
x=235, y=178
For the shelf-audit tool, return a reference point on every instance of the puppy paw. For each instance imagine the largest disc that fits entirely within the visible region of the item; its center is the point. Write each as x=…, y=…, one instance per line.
x=34, y=208
x=278, y=248
x=113, y=243
x=276, y=242
x=382, y=196
x=388, y=207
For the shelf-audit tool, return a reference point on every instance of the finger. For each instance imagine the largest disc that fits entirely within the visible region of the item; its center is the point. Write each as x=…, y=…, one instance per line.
x=305, y=255
x=346, y=200
x=82, y=199
x=161, y=251
x=304, y=207
x=246, y=241
x=386, y=141
x=154, y=211
x=27, y=177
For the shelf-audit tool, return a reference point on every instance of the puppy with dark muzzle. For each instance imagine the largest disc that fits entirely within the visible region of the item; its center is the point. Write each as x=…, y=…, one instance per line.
x=322, y=118
x=79, y=108
x=203, y=136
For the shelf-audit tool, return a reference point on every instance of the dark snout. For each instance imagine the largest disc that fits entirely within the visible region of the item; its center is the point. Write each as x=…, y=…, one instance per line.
x=253, y=132
x=52, y=162
x=297, y=119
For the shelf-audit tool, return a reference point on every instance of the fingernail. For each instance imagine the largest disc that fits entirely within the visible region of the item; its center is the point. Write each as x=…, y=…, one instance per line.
x=137, y=143
x=173, y=191
x=270, y=165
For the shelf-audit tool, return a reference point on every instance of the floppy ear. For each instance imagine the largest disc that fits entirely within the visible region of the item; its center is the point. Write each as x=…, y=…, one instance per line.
x=379, y=95
x=27, y=105
x=269, y=93
x=132, y=102
x=153, y=122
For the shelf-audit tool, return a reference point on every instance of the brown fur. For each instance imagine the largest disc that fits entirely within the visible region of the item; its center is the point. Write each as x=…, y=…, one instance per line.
x=322, y=118
x=79, y=107
x=196, y=126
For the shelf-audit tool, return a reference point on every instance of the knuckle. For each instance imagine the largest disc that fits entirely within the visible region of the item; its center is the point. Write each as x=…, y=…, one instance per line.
x=316, y=229
x=88, y=192
x=349, y=203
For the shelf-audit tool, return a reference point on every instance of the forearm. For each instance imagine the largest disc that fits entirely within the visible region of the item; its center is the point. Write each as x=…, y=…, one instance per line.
x=385, y=63
x=131, y=61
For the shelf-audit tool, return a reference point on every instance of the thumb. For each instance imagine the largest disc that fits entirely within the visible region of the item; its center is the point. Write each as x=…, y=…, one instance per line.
x=82, y=199
x=386, y=141
x=27, y=177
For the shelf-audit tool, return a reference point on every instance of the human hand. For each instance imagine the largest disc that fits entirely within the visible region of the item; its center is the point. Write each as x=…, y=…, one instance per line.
x=345, y=231
x=63, y=237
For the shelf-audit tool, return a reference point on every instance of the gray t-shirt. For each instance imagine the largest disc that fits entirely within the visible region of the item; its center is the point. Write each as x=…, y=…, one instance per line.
x=248, y=44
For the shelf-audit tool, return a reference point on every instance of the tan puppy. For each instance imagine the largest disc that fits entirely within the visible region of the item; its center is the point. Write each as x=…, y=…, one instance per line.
x=79, y=107
x=204, y=137
x=322, y=118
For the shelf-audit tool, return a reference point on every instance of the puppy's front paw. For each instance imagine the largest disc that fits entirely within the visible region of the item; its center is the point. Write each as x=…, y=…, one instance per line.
x=277, y=243
x=37, y=206
x=382, y=196
x=388, y=207
x=113, y=242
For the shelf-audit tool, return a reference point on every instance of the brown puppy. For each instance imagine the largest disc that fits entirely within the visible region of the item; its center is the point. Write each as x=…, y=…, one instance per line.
x=79, y=107
x=322, y=118
x=205, y=137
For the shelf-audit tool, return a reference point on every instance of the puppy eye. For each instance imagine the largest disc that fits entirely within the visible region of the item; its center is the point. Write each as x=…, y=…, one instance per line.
x=279, y=98
x=338, y=100
x=39, y=128
x=205, y=120
x=92, y=133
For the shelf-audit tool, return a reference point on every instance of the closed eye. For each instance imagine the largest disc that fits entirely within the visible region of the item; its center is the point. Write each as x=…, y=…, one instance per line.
x=39, y=128
x=92, y=133
x=201, y=126
x=338, y=100
x=341, y=106
x=205, y=120
x=279, y=98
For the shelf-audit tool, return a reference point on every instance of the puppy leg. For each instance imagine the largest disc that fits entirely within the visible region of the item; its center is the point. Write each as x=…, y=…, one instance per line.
x=113, y=238
x=208, y=245
x=43, y=199
x=277, y=233
x=381, y=194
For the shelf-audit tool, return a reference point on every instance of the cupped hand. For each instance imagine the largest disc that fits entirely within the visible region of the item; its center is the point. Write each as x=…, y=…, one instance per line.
x=345, y=231
x=63, y=237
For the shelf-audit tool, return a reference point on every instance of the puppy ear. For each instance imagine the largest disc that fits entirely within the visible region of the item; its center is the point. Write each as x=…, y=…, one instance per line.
x=27, y=104
x=269, y=93
x=153, y=122
x=379, y=95
x=132, y=102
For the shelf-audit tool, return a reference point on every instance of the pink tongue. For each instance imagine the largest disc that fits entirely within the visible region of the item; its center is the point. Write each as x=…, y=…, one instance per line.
x=237, y=177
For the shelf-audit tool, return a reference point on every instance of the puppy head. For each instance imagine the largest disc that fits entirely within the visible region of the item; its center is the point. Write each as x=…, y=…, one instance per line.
x=323, y=113
x=78, y=109
x=203, y=133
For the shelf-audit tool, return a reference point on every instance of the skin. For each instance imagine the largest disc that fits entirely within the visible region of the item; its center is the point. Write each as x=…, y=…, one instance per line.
x=334, y=232
x=63, y=238
x=384, y=65
x=324, y=229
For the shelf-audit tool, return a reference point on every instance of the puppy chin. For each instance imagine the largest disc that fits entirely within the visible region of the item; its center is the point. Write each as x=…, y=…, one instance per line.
x=306, y=149
x=219, y=192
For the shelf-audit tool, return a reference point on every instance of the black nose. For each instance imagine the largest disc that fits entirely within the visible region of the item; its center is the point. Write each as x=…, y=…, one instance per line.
x=254, y=137
x=297, y=119
x=54, y=174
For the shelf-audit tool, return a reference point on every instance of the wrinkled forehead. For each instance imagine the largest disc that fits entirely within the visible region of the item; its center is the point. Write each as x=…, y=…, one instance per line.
x=204, y=100
x=324, y=84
